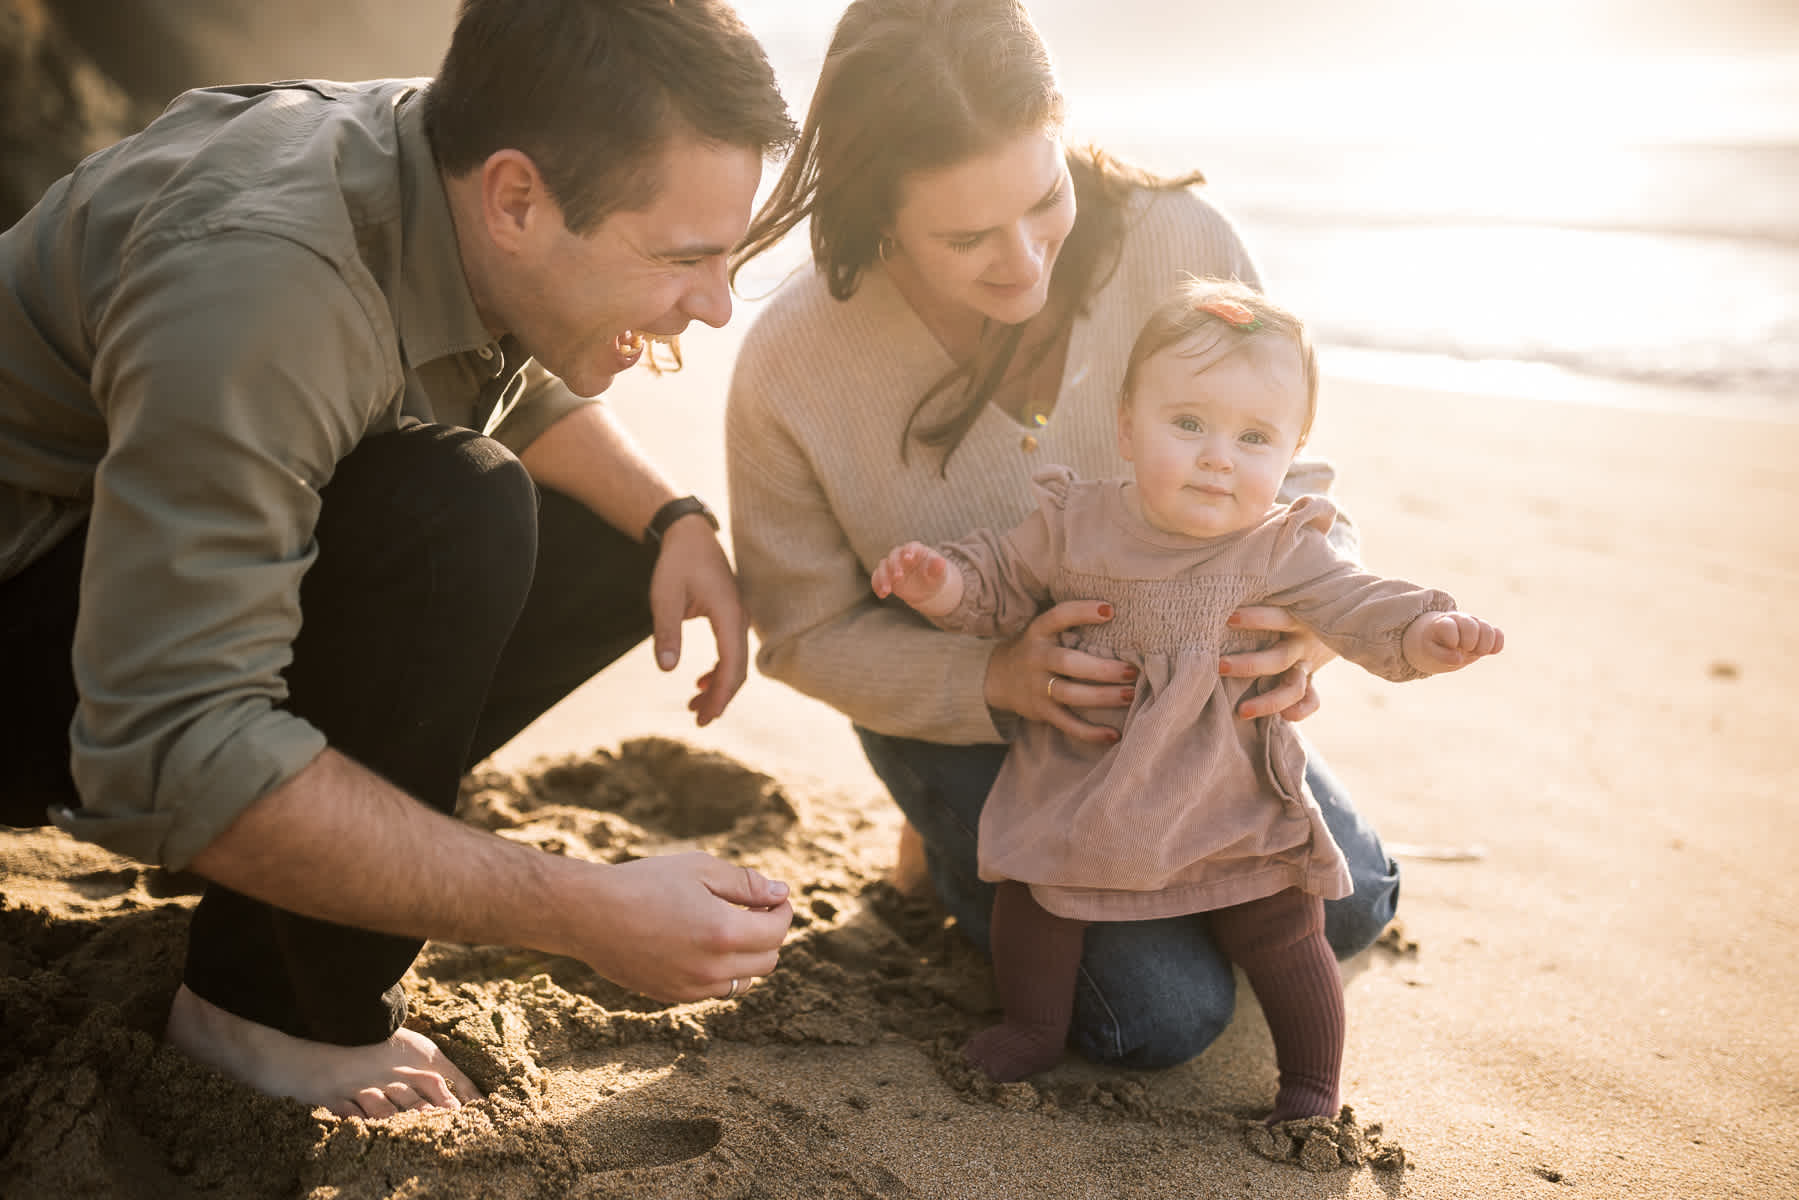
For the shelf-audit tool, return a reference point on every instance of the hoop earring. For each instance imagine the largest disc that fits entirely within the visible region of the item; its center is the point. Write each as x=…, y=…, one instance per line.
x=884, y=248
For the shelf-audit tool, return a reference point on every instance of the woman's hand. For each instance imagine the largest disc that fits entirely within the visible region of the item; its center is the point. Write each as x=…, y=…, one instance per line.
x=1040, y=679
x=1288, y=665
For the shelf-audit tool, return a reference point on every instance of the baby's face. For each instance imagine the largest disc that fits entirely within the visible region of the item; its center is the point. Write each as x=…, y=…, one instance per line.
x=1211, y=433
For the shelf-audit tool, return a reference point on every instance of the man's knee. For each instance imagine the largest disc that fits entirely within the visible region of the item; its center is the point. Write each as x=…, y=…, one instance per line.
x=437, y=494
x=433, y=479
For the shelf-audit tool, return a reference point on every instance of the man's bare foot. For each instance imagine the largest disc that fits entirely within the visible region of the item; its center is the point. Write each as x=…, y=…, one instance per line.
x=407, y=1071
x=910, y=877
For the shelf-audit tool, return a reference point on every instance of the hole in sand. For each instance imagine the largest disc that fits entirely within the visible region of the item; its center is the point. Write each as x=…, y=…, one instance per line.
x=661, y=786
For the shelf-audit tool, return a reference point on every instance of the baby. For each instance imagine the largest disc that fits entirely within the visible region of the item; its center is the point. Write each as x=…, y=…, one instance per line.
x=1192, y=809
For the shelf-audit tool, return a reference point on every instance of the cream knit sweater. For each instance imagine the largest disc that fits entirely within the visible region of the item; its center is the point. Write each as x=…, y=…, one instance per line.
x=819, y=398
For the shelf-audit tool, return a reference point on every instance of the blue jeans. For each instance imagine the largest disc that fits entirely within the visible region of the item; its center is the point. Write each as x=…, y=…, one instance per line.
x=1149, y=993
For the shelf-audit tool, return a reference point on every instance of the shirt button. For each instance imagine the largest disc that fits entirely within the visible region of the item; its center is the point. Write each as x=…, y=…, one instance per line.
x=1028, y=444
x=485, y=352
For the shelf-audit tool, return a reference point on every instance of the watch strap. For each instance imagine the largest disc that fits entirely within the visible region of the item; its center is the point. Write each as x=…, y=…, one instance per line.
x=673, y=511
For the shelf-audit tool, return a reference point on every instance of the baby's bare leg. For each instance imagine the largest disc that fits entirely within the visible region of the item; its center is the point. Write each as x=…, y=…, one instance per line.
x=1035, y=957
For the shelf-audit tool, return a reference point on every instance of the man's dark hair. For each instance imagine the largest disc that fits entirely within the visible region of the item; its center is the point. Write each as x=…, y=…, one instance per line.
x=592, y=89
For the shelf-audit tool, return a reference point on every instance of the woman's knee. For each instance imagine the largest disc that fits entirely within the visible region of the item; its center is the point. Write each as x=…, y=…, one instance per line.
x=1151, y=994
x=1354, y=922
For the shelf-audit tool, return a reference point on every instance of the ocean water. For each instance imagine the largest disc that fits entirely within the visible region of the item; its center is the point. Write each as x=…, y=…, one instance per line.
x=1452, y=213
x=1691, y=283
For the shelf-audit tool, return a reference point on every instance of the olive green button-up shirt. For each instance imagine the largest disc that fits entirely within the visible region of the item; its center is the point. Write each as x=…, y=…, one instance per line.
x=196, y=325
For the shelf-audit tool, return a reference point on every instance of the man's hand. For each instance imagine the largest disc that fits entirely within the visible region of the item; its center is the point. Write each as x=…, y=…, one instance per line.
x=693, y=578
x=588, y=455
x=681, y=927
x=340, y=843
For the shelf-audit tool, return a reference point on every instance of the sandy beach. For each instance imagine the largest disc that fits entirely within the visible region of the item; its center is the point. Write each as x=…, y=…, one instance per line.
x=1588, y=991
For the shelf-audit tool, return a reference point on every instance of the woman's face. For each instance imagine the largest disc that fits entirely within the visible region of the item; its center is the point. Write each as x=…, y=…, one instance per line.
x=978, y=239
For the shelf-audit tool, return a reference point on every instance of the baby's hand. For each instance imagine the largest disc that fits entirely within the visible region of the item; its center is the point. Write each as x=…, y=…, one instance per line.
x=918, y=575
x=1448, y=641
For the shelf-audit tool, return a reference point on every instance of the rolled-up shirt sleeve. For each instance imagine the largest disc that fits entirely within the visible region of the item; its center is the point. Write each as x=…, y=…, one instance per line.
x=233, y=372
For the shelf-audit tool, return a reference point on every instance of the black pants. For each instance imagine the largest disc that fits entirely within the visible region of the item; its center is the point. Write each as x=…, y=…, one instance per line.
x=450, y=605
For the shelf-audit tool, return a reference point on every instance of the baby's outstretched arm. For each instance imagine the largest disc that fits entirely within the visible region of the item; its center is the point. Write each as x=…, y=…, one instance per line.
x=1448, y=641
x=921, y=577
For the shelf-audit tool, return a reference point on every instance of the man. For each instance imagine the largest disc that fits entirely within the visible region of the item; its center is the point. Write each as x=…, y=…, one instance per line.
x=267, y=590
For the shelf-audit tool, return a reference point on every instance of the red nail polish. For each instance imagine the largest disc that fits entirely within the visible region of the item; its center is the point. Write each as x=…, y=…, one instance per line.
x=1130, y=673
x=1224, y=668
x=1234, y=621
x=1127, y=694
x=1113, y=736
x=1105, y=610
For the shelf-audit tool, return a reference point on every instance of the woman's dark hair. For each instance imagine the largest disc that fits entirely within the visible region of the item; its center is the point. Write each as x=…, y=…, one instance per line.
x=592, y=89
x=917, y=85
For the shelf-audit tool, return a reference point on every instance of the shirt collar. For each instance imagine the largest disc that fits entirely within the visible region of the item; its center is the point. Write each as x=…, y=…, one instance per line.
x=437, y=315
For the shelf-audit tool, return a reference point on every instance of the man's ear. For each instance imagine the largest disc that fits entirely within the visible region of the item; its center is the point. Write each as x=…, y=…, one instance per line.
x=515, y=202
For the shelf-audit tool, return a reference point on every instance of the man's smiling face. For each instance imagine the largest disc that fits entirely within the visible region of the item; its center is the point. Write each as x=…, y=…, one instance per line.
x=580, y=301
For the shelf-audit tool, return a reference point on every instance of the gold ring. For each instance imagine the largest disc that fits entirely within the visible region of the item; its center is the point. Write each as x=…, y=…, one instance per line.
x=1050, y=689
x=733, y=990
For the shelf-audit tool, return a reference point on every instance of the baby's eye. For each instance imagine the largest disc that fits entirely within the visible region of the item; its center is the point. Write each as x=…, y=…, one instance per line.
x=1255, y=437
x=1187, y=424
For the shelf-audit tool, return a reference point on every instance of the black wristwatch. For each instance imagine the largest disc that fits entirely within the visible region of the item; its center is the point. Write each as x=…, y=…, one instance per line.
x=673, y=511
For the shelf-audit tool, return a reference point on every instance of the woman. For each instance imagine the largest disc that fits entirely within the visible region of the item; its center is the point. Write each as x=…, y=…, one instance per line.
x=976, y=293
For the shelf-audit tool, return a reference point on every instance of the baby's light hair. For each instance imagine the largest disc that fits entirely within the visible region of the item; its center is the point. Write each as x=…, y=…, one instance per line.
x=1233, y=306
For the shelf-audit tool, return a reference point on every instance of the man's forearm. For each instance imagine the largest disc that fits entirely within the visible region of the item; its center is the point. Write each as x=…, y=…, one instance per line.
x=340, y=843
x=588, y=455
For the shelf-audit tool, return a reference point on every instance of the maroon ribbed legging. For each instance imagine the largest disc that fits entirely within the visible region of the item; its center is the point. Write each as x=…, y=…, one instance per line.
x=1278, y=940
